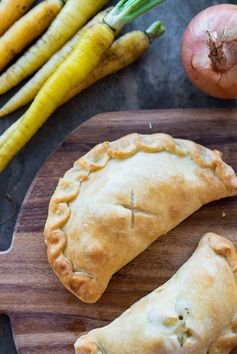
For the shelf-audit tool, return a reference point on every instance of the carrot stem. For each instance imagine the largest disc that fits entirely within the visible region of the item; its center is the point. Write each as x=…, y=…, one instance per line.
x=155, y=30
x=127, y=10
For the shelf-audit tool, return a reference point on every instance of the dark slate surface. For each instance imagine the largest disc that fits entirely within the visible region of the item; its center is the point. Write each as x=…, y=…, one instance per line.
x=156, y=81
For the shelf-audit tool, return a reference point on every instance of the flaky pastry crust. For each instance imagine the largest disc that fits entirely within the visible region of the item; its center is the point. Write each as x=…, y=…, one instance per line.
x=193, y=313
x=120, y=197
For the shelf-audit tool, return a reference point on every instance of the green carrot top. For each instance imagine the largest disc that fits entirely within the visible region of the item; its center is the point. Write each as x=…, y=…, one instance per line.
x=127, y=10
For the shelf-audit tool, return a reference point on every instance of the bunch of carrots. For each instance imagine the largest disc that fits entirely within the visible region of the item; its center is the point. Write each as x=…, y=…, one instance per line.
x=69, y=57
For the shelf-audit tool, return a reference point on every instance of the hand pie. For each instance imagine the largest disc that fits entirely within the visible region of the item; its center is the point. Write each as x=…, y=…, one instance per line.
x=193, y=313
x=120, y=197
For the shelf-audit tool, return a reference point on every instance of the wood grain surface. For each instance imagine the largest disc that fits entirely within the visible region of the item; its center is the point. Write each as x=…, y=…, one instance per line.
x=45, y=317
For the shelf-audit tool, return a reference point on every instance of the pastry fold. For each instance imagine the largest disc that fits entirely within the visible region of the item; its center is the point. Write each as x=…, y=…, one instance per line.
x=193, y=313
x=120, y=197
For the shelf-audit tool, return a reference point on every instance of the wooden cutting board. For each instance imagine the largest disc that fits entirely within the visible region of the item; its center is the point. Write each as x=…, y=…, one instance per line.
x=45, y=317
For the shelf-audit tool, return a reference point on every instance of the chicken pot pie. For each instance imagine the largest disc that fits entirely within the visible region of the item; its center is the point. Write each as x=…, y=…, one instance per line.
x=195, y=312
x=120, y=197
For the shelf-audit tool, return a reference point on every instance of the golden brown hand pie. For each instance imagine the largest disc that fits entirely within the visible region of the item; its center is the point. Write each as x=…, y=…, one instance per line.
x=120, y=197
x=193, y=313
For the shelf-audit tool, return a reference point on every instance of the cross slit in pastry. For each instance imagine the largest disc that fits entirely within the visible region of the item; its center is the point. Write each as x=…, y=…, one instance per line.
x=120, y=197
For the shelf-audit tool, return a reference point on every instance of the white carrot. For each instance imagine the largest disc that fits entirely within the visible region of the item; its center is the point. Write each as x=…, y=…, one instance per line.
x=73, y=16
x=89, y=51
x=28, y=92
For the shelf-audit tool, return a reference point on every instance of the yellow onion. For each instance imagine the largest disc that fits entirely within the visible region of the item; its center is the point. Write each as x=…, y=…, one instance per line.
x=209, y=51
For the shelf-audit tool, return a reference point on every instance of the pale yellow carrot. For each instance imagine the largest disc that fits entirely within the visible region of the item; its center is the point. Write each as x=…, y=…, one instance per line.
x=124, y=51
x=87, y=54
x=85, y=57
x=11, y=11
x=8, y=132
x=28, y=92
x=73, y=16
x=26, y=29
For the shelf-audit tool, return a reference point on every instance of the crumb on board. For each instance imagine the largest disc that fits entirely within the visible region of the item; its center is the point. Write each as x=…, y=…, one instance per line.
x=223, y=214
x=150, y=125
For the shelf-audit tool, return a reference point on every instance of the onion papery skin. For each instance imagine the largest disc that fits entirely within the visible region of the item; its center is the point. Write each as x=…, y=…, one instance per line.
x=220, y=21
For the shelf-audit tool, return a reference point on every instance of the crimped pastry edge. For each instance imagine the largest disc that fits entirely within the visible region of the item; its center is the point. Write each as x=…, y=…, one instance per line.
x=226, y=342
x=83, y=285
